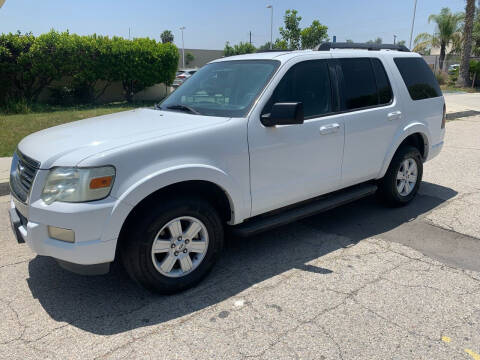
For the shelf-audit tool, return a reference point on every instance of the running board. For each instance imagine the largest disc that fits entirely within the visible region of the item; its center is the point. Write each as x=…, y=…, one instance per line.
x=265, y=222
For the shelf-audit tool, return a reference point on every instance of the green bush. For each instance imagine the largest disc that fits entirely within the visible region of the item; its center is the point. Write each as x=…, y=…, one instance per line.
x=475, y=70
x=16, y=73
x=20, y=106
x=452, y=77
x=30, y=64
x=442, y=77
x=62, y=95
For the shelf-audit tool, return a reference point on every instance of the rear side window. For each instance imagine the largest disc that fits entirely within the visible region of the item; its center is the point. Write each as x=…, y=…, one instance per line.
x=418, y=78
x=383, y=85
x=359, y=86
x=307, y=82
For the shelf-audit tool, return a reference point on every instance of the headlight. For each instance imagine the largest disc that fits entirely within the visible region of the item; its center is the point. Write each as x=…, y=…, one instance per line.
x=78, y=184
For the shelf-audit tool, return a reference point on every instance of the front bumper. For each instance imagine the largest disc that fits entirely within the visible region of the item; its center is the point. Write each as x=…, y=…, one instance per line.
x=87, y=220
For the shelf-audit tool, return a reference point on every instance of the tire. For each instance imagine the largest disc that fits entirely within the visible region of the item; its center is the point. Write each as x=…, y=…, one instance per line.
x=390, y=188
x=149, y=268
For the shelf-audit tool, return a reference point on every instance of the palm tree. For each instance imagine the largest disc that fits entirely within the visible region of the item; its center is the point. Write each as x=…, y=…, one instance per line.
x=476, y=34
x=464, y=73
x=166, y=36
x=446, y=33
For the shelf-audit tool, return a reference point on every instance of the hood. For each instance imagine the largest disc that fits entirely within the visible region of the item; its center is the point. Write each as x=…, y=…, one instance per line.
x=69, y=144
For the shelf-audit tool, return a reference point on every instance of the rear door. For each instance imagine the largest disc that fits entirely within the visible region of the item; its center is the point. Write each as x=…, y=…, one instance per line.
x=372, y=116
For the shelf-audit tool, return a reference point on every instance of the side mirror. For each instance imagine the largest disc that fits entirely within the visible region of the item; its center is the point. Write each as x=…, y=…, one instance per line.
x=287, y=113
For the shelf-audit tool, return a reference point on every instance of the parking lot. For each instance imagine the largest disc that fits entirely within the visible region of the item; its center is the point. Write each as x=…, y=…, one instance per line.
x=359, y=282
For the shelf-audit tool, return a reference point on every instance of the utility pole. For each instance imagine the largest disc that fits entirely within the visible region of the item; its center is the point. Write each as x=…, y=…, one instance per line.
x=413, y=23
x=183, y=48
x=271, y=26
x=394, y=39
x=250, y=38
x=131, y=81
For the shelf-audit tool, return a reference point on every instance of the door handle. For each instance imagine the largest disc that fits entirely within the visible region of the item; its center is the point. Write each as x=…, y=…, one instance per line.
x=329, y=128
x=394, y=115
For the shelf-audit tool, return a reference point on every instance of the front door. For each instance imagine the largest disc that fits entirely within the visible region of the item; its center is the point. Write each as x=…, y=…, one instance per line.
x=291, y=163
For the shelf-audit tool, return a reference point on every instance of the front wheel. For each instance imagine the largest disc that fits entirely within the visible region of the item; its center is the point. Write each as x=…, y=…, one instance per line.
x=173, y=246
x=404, y=175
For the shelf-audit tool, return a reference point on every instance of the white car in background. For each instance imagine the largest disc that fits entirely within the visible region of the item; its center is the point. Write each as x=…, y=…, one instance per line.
x=182, y=75
x=452, y=68
x=249, y=143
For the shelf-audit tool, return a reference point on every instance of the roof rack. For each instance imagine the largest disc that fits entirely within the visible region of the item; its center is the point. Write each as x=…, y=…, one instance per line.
x=326, y=46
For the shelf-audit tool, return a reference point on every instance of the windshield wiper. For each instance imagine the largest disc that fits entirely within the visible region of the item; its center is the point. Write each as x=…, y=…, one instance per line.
x=185, y=108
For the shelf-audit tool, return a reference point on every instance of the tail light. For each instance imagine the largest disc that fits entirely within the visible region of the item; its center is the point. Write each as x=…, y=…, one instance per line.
x=444, y=117
x=181, y=77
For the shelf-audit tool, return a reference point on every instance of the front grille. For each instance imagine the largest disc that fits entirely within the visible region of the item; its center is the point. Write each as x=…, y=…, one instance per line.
x=22, y=174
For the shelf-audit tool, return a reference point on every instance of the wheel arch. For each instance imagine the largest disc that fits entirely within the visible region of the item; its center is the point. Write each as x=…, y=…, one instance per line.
x=209, y=191
x=205, y=180
x=415, y=134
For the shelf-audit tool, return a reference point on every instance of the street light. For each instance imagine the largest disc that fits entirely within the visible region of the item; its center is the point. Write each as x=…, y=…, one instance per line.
x=413, y=23
x=183, y=47
x=271, y=26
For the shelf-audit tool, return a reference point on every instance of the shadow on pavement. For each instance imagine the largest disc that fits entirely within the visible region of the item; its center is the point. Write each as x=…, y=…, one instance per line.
x=113, y=304
x=461, y=114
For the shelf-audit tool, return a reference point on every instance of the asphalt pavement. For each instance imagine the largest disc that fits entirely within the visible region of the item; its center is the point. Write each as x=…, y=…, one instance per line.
x=359, y=282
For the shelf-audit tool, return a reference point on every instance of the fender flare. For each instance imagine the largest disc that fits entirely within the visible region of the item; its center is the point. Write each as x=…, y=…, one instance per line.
x=139, y=190
x=410, y=129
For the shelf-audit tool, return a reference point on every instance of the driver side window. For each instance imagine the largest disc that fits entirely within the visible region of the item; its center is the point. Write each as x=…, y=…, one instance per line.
x=307, y=82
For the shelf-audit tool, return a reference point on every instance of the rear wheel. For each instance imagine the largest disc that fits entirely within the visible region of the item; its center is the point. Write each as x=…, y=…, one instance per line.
x=173, y=246
x=404, y=175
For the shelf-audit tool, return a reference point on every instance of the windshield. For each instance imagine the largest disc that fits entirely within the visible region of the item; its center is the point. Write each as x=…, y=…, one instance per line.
x=226, y=88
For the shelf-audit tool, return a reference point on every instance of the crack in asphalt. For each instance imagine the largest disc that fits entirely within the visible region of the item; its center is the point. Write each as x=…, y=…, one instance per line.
x=15, y=263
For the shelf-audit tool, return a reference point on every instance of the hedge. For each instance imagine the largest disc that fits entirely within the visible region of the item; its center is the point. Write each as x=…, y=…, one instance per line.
x=29, y=64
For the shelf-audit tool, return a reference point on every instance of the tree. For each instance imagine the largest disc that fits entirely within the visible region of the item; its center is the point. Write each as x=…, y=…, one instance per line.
x=423, y=43
x=189, y=58
x=280, y=44
x=141, y=63
x=265, y=46
x=53, y=56
x=464, y=73
x=401, y=42
x=291, y=33
x=377, y=41
x=476, y=34
x=241, y=48
x=92, y=67
x=349, y=41
x=313, y=35
x=447, y=29
x=166, y=36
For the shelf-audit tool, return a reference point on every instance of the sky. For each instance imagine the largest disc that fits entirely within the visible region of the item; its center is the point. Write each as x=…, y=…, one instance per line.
x=210, y=24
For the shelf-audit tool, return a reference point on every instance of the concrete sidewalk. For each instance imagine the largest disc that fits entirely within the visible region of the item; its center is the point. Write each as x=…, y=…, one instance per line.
x=5, y=169
x=458, y=105
x=462, y=102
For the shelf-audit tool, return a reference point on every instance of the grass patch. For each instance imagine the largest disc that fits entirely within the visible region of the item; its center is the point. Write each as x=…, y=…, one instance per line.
x=452, y=88
x=14, y=128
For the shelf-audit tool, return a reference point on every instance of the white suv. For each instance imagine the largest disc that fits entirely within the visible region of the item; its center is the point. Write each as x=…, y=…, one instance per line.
x=249, y=143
